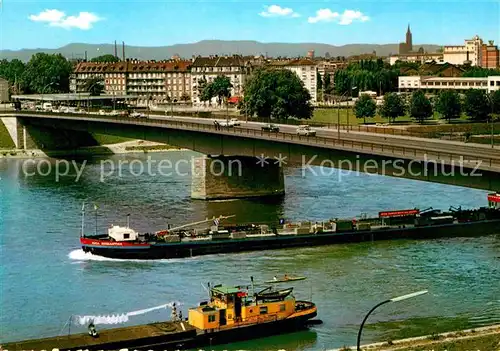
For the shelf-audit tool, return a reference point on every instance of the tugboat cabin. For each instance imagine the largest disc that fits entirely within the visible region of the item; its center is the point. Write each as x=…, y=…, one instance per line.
x=231, y=306
x=494, y=201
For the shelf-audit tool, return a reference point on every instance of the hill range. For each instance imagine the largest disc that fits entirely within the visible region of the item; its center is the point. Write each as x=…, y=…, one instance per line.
x=213, y=47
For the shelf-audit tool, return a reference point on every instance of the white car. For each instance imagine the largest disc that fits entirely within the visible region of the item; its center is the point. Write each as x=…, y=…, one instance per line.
x=234, y=122
x=306, y=131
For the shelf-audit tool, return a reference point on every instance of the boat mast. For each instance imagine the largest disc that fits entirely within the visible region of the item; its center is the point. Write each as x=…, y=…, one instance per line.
x=82, y=234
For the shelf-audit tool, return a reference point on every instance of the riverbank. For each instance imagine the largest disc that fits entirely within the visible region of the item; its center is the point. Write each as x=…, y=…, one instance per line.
x=479, y=339
x=127, y=147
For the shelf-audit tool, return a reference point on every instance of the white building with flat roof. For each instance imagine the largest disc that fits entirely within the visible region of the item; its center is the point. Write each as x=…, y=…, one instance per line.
x=460, y=84
x=459, y=54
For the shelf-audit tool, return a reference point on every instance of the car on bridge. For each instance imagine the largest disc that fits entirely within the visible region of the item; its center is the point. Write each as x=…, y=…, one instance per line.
x=137, y=115
x=270, y=128
x=305, y=130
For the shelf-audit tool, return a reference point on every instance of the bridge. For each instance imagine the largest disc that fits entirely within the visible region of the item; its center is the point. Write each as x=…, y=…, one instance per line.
x=257, y=155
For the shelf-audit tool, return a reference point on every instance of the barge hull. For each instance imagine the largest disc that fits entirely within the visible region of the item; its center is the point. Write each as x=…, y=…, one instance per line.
x=178, y=340
x=190, y=249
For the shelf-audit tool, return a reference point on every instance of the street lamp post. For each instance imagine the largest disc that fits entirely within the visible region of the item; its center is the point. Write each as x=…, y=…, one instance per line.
x=350, y=93
x=90, y=92
x=338, y=113
x=44, y=89
x=395, y=299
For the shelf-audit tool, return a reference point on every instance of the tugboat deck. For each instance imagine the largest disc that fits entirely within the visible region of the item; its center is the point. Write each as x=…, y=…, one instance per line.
x=106, y=337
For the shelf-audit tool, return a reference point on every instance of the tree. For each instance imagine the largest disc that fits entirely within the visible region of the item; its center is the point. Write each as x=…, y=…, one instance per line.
x=327, y=55
x=278, y=94
x=420, y=106
x=108, y=58
x=94, y=86
x=220, y=88
x=392, y=107
x=185, y=97
x=448, y=105
x=327, y=83
x=365, y=107
x=47, y=73
x=495, y=102
x=476, y=104
x=319, y=81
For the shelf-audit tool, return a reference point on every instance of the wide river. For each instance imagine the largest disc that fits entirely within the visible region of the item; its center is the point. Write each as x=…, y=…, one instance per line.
x=45, y=277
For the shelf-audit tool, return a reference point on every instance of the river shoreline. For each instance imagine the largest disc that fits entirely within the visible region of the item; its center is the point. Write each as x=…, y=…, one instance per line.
x=480, y=339
x=128, y=147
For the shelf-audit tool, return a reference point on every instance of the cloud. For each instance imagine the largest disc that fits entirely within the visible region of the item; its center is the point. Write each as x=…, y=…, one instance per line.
x=278, y=11
x=56, y=18
x=346, y=18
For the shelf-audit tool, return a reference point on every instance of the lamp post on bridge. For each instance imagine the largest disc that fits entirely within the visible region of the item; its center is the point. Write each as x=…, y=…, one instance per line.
x=395, y=299
x=338, y=112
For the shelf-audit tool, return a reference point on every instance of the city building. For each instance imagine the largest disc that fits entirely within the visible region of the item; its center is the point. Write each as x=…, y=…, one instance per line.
x=417, y=57
x=442, y=69
x=490, y=55
x=469, y=53
x=4, y=90
x=156, y=82
x=208, y=68
x=407, y=46
x=330, y=67
x=310, y=54
x=436, y=84
x=159, y=82
x=406, y=53
x=305, y=69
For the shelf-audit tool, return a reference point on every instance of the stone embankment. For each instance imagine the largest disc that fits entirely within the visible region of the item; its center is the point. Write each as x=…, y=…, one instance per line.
x=479, y=339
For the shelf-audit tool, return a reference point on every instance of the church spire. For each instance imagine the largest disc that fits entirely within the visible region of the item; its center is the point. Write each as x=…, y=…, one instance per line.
x=408, y=31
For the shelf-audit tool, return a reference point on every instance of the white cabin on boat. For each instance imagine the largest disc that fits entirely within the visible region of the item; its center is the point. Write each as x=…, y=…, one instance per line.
x=122, y=233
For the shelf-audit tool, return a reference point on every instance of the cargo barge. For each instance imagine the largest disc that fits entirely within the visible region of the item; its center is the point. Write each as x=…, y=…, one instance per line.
x=126, y=243
x=231, y=314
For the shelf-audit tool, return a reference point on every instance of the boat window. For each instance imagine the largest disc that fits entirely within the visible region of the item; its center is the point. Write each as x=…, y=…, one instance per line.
x=211, y=318
x=126, y=236
x=263, y=310
x=282, y=308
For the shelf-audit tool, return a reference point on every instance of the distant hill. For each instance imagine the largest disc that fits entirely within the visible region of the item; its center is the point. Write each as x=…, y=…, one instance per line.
x=213, y=47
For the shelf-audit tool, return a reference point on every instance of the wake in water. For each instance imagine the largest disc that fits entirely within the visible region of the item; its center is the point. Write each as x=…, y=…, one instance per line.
x=79, y=255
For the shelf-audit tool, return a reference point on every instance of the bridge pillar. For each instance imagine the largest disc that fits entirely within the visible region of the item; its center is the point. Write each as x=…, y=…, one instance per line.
x=224, y=177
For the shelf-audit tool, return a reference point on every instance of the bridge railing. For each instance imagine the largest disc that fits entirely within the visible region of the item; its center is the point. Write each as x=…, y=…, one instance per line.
x=466, y=160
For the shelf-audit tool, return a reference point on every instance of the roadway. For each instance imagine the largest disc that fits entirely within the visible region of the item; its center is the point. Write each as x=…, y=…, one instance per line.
x=446, y=146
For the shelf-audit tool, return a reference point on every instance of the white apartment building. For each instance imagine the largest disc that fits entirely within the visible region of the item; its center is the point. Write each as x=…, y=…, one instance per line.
x=459, y=54
x=209, y=68
x=435, y=84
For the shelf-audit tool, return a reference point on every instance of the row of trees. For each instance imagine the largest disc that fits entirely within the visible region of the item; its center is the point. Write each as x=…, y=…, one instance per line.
x=366, y=75
x=44, y=73
x=476, y=104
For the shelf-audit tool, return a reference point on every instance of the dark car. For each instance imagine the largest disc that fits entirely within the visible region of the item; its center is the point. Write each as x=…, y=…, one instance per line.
x=270, y=128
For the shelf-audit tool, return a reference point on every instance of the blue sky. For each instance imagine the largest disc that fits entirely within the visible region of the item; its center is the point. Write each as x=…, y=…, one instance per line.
x=51, y=24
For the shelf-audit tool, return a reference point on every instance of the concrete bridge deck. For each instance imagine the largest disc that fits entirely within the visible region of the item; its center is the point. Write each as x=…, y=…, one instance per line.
x=453, y=162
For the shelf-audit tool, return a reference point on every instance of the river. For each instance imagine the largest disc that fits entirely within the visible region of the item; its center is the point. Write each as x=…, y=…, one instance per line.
x=46, y=278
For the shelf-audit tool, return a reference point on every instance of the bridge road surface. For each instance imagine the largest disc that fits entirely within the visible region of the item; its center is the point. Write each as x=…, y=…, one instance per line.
x=447, y=146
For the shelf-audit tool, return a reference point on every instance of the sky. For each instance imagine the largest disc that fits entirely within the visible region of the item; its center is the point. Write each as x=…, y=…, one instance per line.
x=52, y=24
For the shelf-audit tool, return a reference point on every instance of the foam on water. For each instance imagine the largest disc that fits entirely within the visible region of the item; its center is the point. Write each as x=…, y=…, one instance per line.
x=80, y=255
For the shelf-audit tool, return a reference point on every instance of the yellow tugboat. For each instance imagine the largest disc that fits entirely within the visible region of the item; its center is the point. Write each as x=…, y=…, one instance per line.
x=231, y=314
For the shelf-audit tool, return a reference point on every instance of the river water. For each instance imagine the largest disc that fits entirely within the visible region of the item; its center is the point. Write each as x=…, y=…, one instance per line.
x=46, y=278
